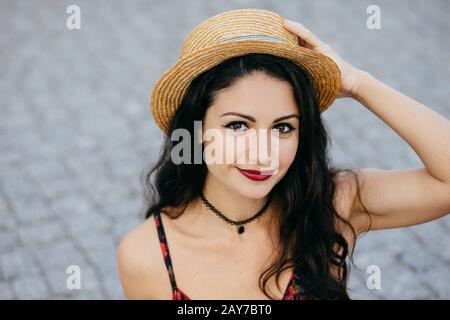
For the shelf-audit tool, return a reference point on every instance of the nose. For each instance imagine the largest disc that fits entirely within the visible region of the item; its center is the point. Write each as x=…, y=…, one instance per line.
x=261, y=152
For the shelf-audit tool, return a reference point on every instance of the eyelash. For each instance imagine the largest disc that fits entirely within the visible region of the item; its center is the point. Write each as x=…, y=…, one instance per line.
x=232, y=123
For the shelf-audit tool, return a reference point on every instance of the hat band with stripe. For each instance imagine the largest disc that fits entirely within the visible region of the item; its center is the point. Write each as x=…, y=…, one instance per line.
x=254, y=37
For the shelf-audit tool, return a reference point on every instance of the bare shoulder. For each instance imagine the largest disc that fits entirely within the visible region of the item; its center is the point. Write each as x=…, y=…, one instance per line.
x=141, y=265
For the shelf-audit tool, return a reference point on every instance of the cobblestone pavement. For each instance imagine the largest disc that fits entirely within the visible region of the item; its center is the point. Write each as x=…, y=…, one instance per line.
x=76, y=131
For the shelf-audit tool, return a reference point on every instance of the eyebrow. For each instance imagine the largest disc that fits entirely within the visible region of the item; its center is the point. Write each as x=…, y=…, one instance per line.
x=250, y=118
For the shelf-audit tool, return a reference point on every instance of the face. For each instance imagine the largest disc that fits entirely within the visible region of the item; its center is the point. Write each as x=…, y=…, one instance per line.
x=253, y=125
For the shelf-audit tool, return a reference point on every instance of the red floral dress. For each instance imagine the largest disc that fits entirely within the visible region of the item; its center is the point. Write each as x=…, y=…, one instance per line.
x=292, y=292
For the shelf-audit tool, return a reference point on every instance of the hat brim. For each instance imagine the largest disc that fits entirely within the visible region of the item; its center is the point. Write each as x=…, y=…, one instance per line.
x=169, y=90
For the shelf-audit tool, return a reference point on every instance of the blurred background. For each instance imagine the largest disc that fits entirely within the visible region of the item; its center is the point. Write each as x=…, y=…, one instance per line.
x=76, y=131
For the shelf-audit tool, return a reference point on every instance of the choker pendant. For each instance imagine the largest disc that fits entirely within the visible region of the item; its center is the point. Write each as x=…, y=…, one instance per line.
x=241, y=229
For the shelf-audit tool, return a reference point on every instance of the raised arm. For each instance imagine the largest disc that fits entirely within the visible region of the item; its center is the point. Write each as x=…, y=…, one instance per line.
x=395, y=198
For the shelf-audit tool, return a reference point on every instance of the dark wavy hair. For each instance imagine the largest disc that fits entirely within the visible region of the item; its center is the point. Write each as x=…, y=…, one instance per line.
x=307, y=226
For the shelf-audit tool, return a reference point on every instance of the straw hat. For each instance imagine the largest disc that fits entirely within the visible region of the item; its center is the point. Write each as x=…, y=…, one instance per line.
x=235, y=33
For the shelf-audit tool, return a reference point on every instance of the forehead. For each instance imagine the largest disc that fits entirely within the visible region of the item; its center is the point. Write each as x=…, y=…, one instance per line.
x=258, y=94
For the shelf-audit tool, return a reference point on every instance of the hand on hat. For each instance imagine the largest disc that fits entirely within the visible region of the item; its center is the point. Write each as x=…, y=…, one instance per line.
x=349, y=74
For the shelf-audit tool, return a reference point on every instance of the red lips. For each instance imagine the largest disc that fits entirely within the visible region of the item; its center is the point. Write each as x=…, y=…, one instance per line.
x=255, y=175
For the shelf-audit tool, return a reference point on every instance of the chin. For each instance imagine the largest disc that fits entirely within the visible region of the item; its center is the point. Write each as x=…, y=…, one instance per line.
x=253, y=193
x=250, y=189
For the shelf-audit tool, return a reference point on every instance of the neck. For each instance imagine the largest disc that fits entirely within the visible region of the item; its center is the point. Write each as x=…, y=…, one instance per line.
x=235, y=207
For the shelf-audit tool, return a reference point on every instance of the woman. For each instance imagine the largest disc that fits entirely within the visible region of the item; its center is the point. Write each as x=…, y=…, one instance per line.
x=278, y=226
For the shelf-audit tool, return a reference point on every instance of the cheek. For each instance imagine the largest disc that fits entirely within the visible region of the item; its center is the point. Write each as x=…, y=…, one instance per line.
x=231, y=148
x=288, y=150
x=220, y=148
x=224, y=175
x=217, y=170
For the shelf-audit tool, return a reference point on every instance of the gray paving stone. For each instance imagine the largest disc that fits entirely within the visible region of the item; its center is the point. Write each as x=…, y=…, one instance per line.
x=30, y=287
x=76, y=131
x=124, y=225
x=44, y=232
x=113, y=288
x=7, y=219
x=95, y=241
x=18, y=262
x=84, y=295
x=398, y=283
x=104, y=259
x=59, y=254
x=7, y=239
x=438, y=279
x=57, y=278
x=434, y=237
x=5, y=291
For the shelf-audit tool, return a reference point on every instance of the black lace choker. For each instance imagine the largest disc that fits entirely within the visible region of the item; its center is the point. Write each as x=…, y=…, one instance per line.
x=239, y=224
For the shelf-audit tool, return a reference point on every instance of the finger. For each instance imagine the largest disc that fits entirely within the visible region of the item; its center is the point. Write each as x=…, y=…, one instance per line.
x=303, y=33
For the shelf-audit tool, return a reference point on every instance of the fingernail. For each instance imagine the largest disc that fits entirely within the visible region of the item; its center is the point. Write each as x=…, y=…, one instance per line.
x=289, y=21
x=295, y=25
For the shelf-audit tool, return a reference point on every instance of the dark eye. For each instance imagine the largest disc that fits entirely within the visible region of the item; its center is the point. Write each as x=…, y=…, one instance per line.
x=284, y=128
x=236, y=125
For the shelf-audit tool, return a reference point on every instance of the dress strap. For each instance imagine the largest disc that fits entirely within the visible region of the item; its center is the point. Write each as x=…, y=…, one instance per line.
x=165, y=248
